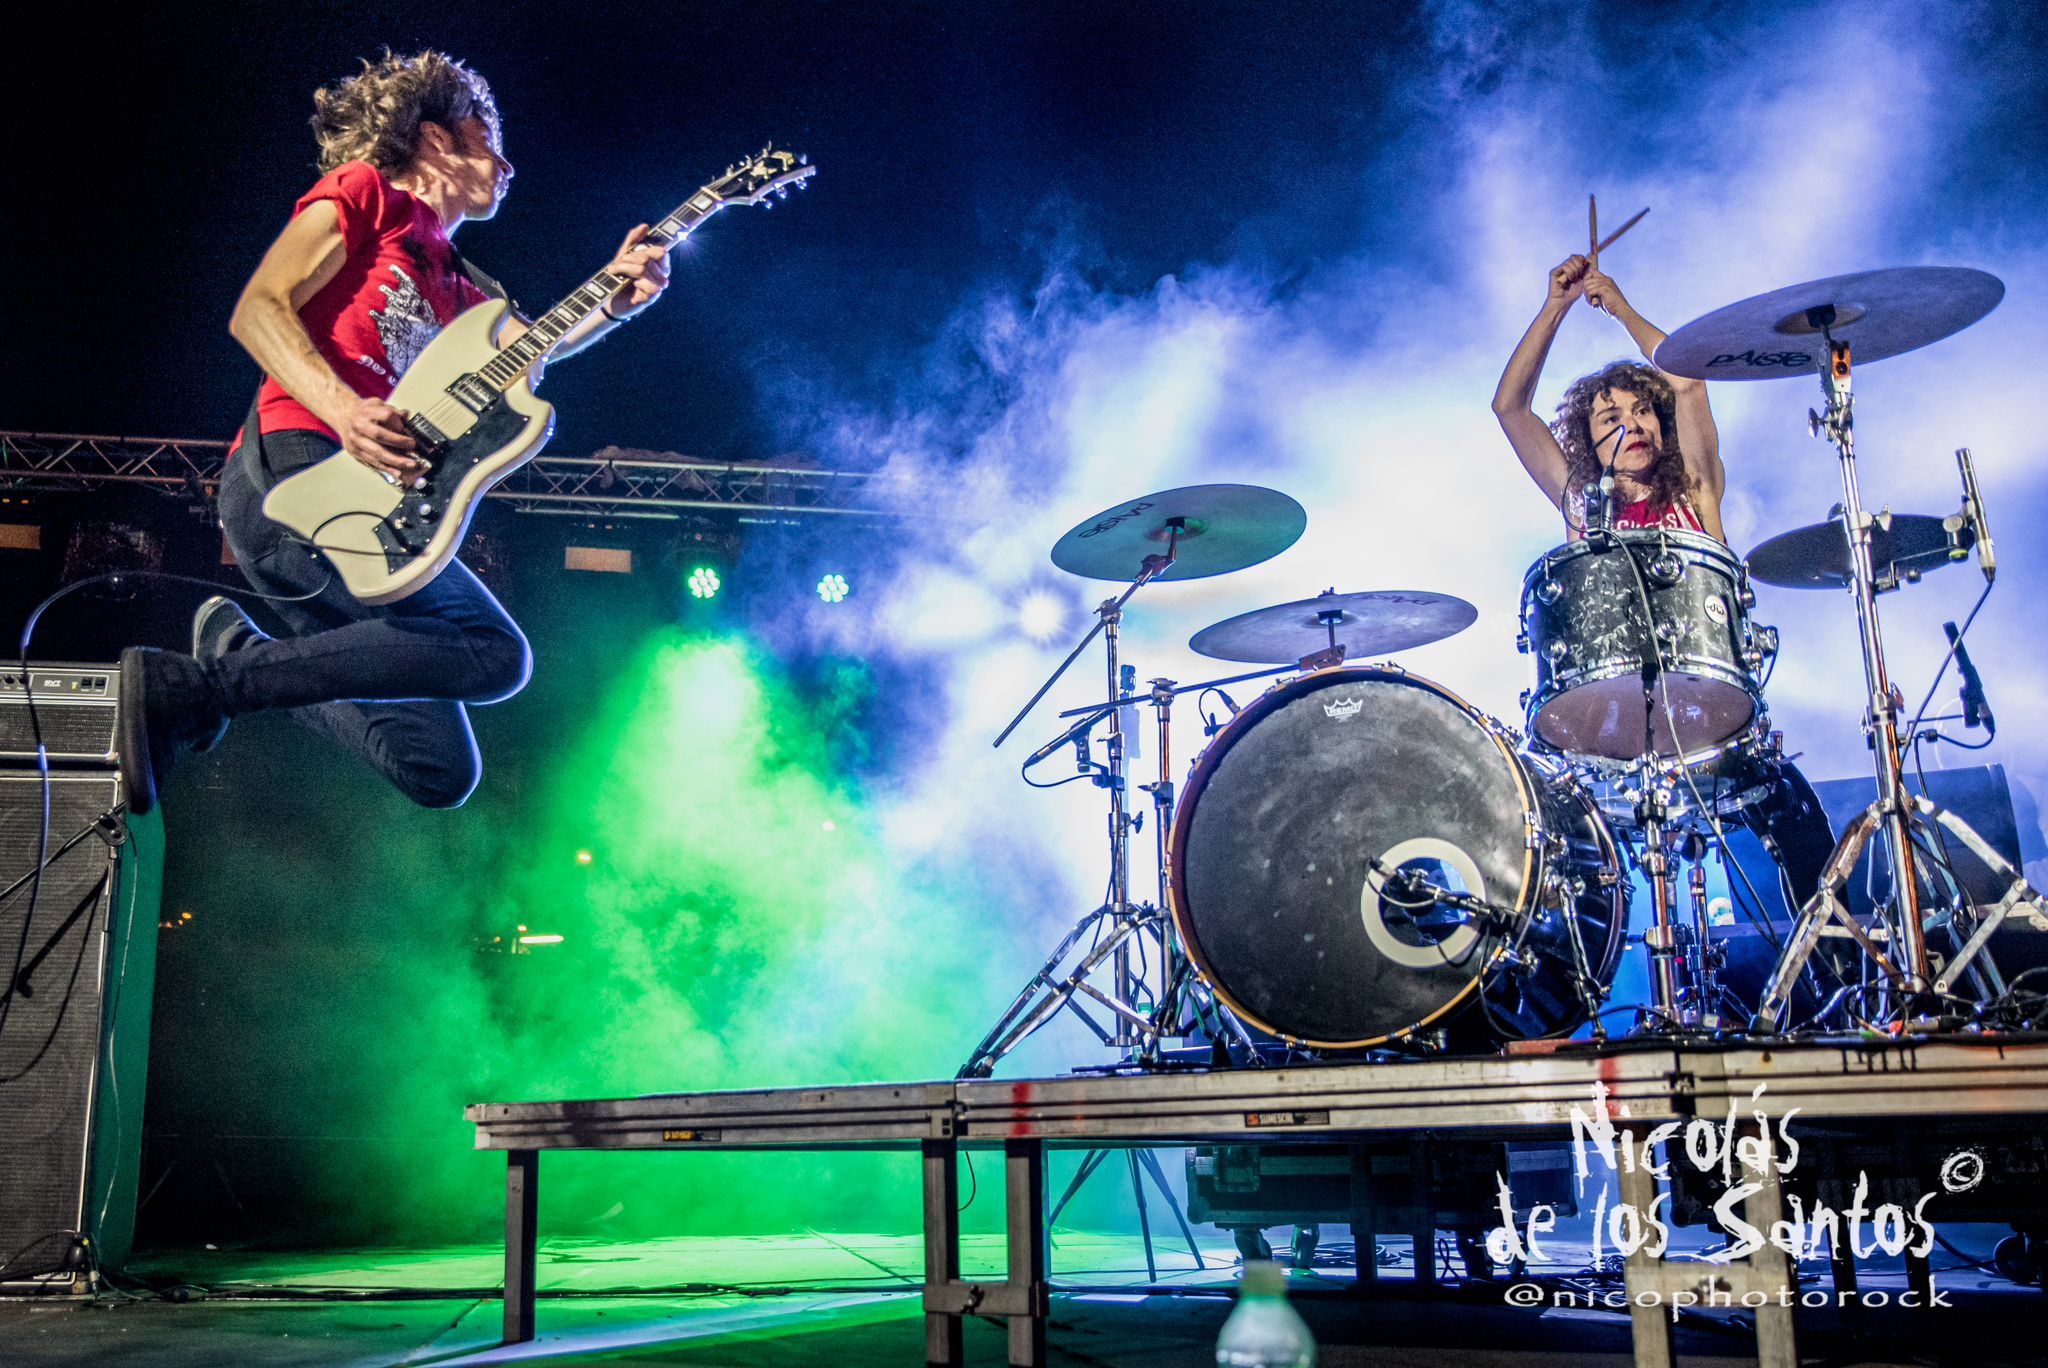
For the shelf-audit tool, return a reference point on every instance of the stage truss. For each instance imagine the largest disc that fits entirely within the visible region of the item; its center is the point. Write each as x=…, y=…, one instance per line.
x=604, y=487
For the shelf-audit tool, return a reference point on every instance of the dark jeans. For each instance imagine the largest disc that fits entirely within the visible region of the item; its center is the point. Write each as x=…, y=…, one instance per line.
x=389, y=682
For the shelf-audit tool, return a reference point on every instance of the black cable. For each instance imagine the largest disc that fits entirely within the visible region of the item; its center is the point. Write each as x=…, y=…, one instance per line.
x=70, y=986
x=28, y=630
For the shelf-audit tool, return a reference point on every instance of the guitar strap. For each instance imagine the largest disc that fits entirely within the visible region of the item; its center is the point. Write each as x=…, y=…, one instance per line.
x=252, y=432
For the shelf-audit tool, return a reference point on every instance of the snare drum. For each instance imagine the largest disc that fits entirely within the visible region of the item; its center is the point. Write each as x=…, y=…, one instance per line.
x=1304, y=802
x=1643, y=645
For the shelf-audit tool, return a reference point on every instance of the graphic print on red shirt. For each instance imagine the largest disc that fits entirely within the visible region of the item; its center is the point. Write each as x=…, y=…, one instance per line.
x=398, y=287
x=1679, y=517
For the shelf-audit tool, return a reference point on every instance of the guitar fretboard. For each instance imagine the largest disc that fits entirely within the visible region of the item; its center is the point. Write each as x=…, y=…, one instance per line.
x=557, y=323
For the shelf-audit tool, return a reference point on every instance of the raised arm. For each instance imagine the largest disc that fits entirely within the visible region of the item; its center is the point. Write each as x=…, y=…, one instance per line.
x=1698, y=438
x=1513, y=398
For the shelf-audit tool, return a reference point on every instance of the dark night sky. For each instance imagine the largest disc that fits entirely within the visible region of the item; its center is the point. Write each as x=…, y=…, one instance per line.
x=152, y=162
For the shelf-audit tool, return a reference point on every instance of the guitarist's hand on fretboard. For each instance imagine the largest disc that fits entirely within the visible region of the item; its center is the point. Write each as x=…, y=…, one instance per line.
x=645, y=270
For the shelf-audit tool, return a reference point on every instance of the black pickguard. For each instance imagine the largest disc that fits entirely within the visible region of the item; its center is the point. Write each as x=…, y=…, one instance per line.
x=496, y=428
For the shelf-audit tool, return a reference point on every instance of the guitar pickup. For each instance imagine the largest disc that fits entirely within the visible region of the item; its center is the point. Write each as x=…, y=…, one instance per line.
x=474, y=392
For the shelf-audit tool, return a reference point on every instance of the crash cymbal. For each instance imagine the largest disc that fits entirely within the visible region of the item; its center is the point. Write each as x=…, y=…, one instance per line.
x=1368, y=625
x=1817, y=557
x=1221, y=528
x=1878, y=313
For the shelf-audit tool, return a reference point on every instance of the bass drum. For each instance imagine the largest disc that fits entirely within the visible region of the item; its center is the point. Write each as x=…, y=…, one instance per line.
x=1277, y=897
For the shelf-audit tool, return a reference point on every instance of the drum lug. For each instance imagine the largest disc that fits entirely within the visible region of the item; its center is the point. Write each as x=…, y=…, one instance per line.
x=1525, y=699
x=1667, y=569
x=1522, y=643
x=1667, y=631
x=1556, y=651
x=1549, y=592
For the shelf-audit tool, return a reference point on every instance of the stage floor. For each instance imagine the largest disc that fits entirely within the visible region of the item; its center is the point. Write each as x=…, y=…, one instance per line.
x=828, y=1298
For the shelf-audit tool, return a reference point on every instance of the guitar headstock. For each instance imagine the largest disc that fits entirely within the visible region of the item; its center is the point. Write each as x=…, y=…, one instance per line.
x=768, y=172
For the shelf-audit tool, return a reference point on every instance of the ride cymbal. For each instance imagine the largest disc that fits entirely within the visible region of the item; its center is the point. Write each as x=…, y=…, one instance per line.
x=1878, y=313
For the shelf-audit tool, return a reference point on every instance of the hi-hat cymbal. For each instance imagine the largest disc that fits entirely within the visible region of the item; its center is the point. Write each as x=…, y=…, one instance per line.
x=1817, y=556
x=1376, y=623
x=1219, y=527
x=1878, y=313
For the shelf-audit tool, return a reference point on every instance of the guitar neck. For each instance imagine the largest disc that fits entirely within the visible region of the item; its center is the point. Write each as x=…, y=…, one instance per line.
x=547, y=331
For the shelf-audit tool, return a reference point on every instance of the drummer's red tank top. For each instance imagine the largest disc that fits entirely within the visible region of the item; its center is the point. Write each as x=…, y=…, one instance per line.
x=1679, y=517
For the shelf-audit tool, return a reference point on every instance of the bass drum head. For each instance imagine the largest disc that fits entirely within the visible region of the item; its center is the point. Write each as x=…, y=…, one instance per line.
x=1273, y=890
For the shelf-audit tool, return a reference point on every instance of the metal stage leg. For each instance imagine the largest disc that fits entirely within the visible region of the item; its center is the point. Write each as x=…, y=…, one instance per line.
x=1364, y=1223
x=1024, y=1202
x=1767, y=1271
x=1021, y=1297
x=942, y=1331
x=1420, y=1183
x=522, y=1236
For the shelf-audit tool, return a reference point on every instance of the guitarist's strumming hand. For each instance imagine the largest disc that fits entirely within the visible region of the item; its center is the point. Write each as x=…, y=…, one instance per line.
x=375, y=433
x=645, y=270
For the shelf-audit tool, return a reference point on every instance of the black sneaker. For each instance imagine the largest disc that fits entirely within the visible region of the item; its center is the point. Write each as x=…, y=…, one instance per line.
x=221, y=626
x=167, y=707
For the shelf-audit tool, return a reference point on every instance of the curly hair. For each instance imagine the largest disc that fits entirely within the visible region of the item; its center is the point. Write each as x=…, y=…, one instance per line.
x=375, y=115
x=1667, y=479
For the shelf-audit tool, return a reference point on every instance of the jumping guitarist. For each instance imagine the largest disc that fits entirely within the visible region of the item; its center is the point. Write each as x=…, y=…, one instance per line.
x=358, y=283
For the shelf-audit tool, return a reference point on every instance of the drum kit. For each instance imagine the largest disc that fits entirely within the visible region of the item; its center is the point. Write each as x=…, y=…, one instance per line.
x=1360, y=860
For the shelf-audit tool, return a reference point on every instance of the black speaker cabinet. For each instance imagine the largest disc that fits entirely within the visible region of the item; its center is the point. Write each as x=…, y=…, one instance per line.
x=74, y=1042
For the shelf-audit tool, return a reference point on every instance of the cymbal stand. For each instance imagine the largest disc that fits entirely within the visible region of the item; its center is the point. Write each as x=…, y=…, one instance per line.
x=1177, y=973
x=1892, y=812
x=1116, y=921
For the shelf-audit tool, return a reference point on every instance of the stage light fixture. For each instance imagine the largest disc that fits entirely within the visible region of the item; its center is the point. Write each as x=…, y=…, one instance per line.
x=834, y=588
x=1040, y=615
x=704, y=582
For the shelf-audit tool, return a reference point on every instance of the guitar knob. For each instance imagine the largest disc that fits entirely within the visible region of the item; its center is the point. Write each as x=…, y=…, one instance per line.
x=426, y=510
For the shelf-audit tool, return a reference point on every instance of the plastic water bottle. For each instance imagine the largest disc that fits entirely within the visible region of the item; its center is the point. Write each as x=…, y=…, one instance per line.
x=1264, y=1331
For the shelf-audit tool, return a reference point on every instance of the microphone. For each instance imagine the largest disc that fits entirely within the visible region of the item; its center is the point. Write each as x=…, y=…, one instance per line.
x=1976, y=712
x=1599, y=498
x=1973, y=508
x=1073, y=733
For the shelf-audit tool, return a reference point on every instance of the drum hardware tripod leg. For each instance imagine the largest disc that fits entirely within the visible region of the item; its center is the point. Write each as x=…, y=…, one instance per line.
x=2017, y=891
x=1050, y=996
x=1823, y=909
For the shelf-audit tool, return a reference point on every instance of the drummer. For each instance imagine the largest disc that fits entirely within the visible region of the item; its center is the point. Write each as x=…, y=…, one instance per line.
x=1651, y=431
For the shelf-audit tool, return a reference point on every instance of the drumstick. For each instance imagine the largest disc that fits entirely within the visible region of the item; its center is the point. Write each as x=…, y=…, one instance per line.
x=1593, y=232
x=1603, y=246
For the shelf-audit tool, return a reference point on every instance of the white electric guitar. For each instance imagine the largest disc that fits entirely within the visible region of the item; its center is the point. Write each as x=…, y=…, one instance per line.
x=470, y=405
